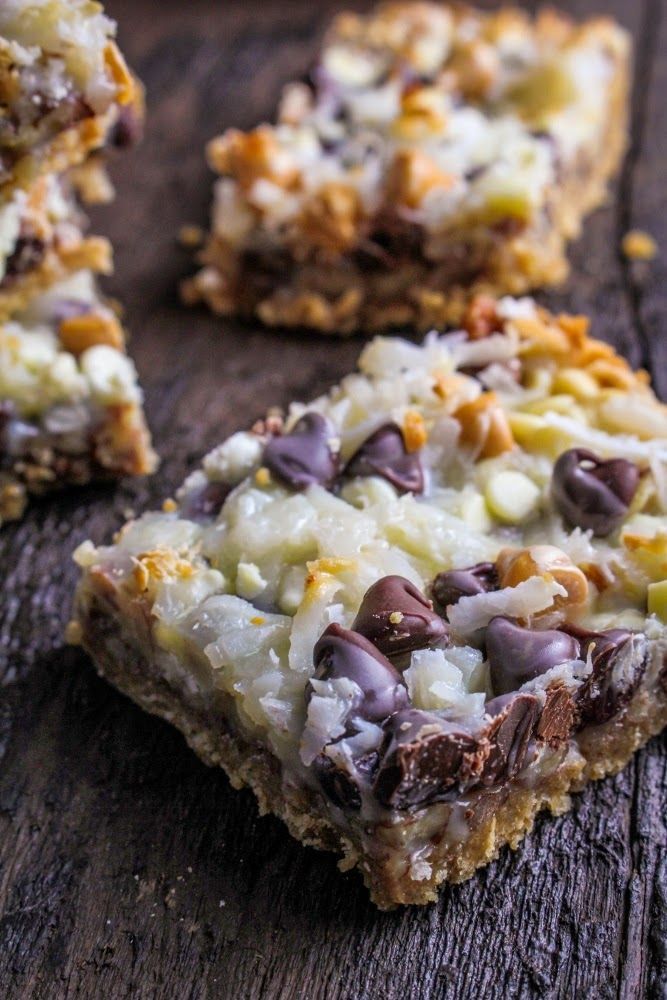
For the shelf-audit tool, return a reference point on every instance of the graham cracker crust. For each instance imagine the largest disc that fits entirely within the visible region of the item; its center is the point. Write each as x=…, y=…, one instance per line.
x=495, y=816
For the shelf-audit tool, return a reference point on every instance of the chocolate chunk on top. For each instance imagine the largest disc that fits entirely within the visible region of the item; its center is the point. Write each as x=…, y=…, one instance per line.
x=593, y=494
x=618, y=659
x=514, y=720
x=450, y=586
x=424, y=758
x=384, y=454
x=398, y=618
x=205, y=503
x=517, y=654
x=304, y=456
x=340, y=652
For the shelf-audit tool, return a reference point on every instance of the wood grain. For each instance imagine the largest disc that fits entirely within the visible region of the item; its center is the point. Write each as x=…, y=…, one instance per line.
x=127, y=868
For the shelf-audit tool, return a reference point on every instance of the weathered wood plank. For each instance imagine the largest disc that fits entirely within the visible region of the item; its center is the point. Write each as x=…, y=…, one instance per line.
x=127, y=869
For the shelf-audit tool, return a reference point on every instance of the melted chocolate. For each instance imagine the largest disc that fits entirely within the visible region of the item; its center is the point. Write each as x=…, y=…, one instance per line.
x=450, y=586
x=619, y=658
x=341, y=652
x=384, y=454
x=517, y=654
x=593, y=494
x=397, y=618
x=205, y=503
x=303, y=457
x=424, y=758
x=514, y=720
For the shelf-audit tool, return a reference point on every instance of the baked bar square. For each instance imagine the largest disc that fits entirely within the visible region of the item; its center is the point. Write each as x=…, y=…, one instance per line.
x=418, y=610
x=64, y=87
x=70, y=404
x=42, y=236
x=433, y=152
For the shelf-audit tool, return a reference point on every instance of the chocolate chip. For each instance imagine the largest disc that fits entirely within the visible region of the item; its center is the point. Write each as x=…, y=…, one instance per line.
x=340, y=652
x=28, y=254
x=337, y=783
x=618, y=658
x=397, y=618
x=128, y=129
x=517, y=654
x=558, y=716
x=514, y=719
x=424, y=758
x=303, y=457
x=205, y=502
x=450, y=586
x=591, y=493
x=384, y=454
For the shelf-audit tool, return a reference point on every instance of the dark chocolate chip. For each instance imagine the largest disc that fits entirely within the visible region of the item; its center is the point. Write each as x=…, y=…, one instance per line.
x=517, y=654
x=384, y=454
x=337, y=783
x=450, y=586
x=303, y=457
x=205, y=503
x=339, y=652
x=128, y=129
x=397, y=618
x=424, y=758
x=26, y=255
x=618, y=658
x=557, y=720
x=591, y=493
x=514, y=719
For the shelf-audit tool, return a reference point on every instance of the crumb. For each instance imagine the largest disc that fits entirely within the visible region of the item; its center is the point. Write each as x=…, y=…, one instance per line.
x=169, y=505
x=128, y=514
x=73, y=633
x=263, y=476
x=190, y=236
x=638, y=245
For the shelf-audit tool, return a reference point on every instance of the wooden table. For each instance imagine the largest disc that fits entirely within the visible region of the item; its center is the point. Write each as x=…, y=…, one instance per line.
x=127, y=868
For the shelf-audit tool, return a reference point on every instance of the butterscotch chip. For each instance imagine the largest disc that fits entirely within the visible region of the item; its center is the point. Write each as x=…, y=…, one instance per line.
x=78, y=333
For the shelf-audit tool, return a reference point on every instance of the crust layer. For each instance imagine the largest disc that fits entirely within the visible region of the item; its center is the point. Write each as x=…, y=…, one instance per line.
x=496, y=817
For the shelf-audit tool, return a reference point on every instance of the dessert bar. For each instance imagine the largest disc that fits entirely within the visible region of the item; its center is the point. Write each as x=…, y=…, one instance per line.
x=70, y=405
x=416, y=611
x=433, y=151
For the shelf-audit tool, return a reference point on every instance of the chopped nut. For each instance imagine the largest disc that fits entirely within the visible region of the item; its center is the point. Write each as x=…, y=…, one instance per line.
x=414, y=430
x=412, y=175
x=331, y=218
x=638, y=245
x=120, y=73
x=191, y=236
x=480, y=318
x=73, y=633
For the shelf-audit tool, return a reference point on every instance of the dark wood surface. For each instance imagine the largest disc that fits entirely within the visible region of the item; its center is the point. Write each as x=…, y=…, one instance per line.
x=127, y=868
